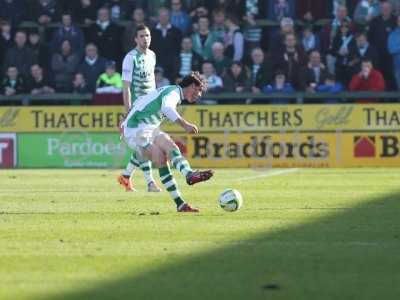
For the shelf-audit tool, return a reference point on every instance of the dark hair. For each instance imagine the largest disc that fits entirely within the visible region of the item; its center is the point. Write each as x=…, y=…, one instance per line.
x=233, y=18
x=367, y=60
x=361, y=33
x=140, y=27
x=193, y=77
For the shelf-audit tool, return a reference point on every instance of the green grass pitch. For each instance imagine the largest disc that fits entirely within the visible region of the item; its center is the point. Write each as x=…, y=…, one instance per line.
x=301, y=234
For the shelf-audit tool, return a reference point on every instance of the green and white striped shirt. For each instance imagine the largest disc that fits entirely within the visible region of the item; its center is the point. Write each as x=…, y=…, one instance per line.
x=138, y=69
x=151, y=109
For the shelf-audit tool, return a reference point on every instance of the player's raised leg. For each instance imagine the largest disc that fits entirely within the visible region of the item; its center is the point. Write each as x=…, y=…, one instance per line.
x=165, y=143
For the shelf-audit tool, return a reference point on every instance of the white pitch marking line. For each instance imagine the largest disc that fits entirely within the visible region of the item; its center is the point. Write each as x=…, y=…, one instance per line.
x=270, y=174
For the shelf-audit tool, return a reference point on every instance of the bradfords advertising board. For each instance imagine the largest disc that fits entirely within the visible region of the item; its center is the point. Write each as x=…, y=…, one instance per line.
x=8, y=150
x=103, y=150
x=295, y=150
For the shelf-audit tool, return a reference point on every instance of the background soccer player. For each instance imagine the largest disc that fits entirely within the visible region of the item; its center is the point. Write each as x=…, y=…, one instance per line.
x=138, y=79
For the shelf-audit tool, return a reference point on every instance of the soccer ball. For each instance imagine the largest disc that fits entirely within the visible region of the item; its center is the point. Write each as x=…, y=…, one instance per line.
x=230, y=200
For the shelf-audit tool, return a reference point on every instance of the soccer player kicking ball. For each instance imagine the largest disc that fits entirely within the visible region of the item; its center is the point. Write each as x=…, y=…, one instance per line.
x=138, y=80
x=141, y=130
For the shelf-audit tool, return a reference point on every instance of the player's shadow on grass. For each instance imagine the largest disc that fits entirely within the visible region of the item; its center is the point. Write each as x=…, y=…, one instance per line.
x=352, y=254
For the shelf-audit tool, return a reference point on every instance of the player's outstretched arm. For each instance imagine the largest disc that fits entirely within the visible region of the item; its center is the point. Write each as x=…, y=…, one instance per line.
x=188, y=127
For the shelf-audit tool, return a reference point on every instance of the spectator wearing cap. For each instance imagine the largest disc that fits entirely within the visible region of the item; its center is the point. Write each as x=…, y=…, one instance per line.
x=64, y=65
x=68, y=31
x=166, y=41
x=79, y=85
x=315, y=72
x=343, y=45
x=394, y=50
x=233, y=40
x=20, y=55
x=260, y=70
x=6, y=39
x=330, y=85
x=13, y=83
x=366, y=10
x=236, y=79
x=378, y=34
x=13, y=11
x=46, y=11
x=279, y=85
x=204, y=39
x=40, y=50
x=39, y=83
x=180, y=18
x=363, y=50
x=110, y=81
x=138, y=17
x=92, y=66
x=106, y=35
x=367, y=80
x=220, y=61
x=159, y=77
x=292, y=60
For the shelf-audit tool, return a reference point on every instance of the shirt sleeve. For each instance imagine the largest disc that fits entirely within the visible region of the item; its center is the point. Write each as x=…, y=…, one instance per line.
x=169, y=105
x=127, y=68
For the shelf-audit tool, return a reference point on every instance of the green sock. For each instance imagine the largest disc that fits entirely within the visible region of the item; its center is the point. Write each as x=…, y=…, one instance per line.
x=180, y=162
x=170, y=185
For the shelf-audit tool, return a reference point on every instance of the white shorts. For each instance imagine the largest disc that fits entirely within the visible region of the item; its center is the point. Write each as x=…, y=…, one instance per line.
x=141, y=137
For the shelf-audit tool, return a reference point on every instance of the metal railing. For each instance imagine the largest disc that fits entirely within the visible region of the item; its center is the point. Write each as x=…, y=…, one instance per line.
x=298, y=98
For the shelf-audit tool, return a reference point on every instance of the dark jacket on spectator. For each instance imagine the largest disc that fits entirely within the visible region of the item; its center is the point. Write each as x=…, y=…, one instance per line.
x=356, y=57
x=13, y=11
x=92, y=72
x=378, y=34
x=292, y=64
x=231, y=82
x=52, y=9
x=81, y=13
x=167, y=49
x=308, y=76
x=32, y=84
x=42, y=55
x=342, y=68
x=263, y=76
x=4, y=46
x=19, y=85
x=64, y=69
x=107, y=40
x=23, y=58
x=74, y=35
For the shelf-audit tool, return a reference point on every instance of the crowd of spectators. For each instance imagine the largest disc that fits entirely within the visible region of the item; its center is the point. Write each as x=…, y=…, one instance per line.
x=77, y=46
